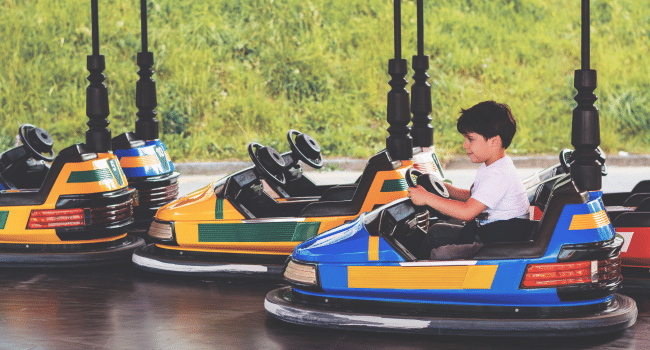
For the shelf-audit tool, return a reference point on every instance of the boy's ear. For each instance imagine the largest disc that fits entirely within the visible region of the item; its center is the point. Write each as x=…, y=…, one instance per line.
x=496, y=141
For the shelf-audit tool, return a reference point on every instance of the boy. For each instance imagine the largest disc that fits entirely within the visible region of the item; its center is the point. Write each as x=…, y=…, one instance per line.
x=495, y=208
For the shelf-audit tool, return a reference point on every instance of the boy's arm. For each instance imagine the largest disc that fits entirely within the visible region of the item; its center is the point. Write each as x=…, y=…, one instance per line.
x=465, y=211
x=458, y=194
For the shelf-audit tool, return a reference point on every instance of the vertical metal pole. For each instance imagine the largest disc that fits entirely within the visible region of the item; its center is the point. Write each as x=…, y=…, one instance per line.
x=421, y=131
x=397, y=28
x=585, y=133
x=146, y=127
x=143, y=25
x=420, y=27
x=98, y=135
x=585, y=43
x=95, y=26
x=399, y=143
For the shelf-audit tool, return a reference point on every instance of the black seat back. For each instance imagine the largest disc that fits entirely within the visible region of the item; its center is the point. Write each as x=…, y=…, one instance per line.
x=379, y=162
x=635, y=199
x=644, y=206
x=74, y=153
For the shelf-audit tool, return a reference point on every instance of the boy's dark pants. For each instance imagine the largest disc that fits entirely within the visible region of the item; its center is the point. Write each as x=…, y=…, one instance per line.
x=513, y=230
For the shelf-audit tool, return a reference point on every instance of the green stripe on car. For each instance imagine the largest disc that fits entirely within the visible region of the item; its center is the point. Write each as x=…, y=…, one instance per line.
x=116, y=170
x=90, y=176
x=3, y=219
x=218, y=209
x=160, y=153
x=258, y=232
x=394, y=185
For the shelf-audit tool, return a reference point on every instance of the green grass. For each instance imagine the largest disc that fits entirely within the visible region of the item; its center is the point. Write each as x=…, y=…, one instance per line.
x=231, y=72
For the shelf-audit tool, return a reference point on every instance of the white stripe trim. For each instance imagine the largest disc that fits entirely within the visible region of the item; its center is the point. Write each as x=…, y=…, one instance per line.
x=439, y=263
x=258, y=221
x=159, y=265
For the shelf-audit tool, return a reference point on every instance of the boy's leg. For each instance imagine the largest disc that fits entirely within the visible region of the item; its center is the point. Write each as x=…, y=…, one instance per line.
x=468, y=234
x=513, y=230
x=438, y=235
x=455, y=251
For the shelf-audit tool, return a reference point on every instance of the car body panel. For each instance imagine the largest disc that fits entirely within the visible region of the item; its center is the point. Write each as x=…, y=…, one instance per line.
x=203, y=222
x=150, y=160
x=354, y=264
x=99, y=175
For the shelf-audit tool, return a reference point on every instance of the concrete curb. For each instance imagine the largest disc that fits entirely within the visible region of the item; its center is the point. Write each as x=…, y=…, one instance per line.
x=459, y=162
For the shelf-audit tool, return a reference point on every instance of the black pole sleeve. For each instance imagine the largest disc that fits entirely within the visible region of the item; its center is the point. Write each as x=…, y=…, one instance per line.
x=98, y=135
x=421, y=130
x=585, y=132
x=146, y=126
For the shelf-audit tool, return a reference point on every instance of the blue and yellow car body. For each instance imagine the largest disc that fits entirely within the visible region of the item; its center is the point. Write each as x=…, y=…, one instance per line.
x=149, y=171
x=363, y=276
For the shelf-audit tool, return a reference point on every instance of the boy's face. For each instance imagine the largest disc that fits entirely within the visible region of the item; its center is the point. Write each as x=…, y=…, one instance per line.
x=479, y=149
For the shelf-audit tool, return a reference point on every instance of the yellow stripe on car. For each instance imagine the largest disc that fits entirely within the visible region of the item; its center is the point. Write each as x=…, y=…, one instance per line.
x=373, y=248
x=139, y=161
x=421, y=277
x=589, y=221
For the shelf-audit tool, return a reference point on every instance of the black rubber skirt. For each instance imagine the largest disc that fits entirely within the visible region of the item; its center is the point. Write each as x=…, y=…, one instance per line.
x=69, y=255
x=621, y=314
x=635, y=280
x=205, y=264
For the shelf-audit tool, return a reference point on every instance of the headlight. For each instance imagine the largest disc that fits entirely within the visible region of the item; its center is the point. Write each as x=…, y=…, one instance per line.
x=161, y=230
x=301, y=273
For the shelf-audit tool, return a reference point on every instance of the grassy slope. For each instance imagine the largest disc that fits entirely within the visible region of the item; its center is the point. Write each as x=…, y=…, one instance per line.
x=230, y=72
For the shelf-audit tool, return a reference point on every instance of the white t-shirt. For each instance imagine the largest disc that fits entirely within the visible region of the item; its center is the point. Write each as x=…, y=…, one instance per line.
x=499, y=188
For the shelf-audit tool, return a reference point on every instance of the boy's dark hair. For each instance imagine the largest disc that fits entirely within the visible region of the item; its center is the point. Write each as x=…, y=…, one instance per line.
x=488, y=119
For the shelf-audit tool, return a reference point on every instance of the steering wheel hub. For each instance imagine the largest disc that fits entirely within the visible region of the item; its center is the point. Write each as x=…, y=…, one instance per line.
x=271, y=159
x=305, y=148
x=37, y=141
x=269, y=162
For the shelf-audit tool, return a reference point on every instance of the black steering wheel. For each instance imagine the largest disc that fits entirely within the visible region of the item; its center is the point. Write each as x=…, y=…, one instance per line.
x=566, y=160
x=37, y=141
x=429, y=182
x=305, y=148
x=268, y=161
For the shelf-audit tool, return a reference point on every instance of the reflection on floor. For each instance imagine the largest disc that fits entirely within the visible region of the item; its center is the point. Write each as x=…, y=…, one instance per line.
x=122, y=308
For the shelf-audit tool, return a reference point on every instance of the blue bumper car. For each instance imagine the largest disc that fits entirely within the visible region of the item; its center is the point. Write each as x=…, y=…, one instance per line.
x=364, y=276
x=150, y=172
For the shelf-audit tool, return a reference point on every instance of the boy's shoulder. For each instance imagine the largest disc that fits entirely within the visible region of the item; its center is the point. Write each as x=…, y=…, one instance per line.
x=502, y=169
x=503, y=163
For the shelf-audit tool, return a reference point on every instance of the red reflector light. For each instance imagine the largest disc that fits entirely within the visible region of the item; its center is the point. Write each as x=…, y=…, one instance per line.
x=609, y=269
x=53, y=218
x=560, y=274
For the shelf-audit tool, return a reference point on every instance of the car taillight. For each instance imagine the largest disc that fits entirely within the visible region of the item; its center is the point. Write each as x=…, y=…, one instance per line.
x=301, y=273
x=609, y=269
x=111, y=213
x=53, y=218
x=157, y=196
x=161, y=230
x=563, y=274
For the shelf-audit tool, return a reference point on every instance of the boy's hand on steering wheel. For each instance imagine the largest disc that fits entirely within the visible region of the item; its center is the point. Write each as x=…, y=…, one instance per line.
x=418, y=195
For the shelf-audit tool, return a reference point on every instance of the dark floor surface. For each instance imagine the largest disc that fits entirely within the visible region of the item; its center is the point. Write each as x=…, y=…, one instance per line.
x=122, y=308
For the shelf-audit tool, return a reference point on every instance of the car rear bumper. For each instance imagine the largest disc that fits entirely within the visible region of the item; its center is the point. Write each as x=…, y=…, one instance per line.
x=70, y=254
x=620, y=314
x=155, y=259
